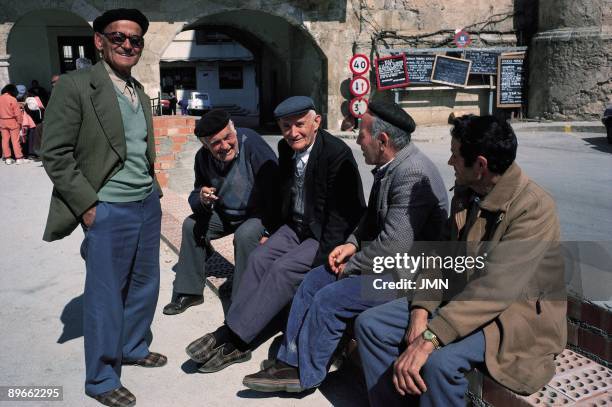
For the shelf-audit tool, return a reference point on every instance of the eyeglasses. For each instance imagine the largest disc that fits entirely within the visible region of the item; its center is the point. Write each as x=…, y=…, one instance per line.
x=118, y=38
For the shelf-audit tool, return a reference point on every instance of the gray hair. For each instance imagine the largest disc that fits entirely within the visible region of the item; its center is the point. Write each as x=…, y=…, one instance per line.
x=399, y=138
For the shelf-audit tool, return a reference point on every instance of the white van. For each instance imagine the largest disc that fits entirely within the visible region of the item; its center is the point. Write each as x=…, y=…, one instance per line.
x=198, y=104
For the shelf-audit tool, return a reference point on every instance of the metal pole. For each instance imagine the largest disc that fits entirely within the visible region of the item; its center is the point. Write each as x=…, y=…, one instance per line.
x=491, y=94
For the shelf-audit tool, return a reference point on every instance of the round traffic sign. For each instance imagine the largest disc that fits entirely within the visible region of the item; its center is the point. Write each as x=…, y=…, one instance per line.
x=360, y=86
x=358, y=107
x=359, y=64
x=462, y=39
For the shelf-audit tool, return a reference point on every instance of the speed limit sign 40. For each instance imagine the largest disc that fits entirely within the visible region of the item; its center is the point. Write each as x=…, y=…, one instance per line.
x=359, y=64
x=360, y=86
x=358, y=107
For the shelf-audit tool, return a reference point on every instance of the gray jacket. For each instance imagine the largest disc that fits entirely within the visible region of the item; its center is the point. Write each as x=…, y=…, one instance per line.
x=412, y=206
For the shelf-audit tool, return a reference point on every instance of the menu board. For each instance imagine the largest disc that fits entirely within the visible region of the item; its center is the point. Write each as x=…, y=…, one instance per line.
x=451, y=71
x=420, y=67
x=510, y=80
x=483, y=62
x=391, y=72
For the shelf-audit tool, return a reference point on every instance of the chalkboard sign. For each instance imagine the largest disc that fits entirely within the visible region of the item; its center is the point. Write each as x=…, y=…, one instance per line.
x=391, y=72
x=483, y=62
x=451, y=71
x=420, y=67
x=510, y=80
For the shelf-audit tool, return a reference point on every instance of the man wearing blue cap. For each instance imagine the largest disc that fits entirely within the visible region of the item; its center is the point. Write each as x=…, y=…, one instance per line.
x=322, y=201
x=99, y=152
x=408, y=203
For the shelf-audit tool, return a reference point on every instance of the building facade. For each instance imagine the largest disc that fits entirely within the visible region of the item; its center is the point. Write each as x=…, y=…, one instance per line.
x=304, y=46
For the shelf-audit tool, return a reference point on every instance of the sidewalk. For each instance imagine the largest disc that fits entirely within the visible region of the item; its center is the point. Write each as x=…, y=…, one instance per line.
x=41, y=286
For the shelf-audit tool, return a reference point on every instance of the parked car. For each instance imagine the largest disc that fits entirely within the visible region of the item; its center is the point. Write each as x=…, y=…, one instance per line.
x=198, y=104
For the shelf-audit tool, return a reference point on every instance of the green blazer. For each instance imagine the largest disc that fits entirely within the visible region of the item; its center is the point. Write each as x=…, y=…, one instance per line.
x=83, y=144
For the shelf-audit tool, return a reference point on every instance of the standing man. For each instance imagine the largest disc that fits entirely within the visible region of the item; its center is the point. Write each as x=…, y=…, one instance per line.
x=99, y=152
x=322, y=201
x=235, y=191
x=509, y=316
x=408, y=203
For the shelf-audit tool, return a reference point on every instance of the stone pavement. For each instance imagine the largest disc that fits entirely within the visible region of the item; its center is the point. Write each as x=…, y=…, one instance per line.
x=41, y=286
x=41, y=283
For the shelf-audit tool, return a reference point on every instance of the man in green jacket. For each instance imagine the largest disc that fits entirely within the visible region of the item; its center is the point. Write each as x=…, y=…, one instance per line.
x=99, y=152
x=506, y=313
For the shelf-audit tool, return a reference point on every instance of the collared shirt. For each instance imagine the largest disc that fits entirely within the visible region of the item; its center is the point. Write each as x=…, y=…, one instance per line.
x=123, y=85
x=301, y=159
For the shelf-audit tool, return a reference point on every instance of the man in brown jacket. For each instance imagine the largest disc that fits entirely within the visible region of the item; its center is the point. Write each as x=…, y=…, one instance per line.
x=508, y=315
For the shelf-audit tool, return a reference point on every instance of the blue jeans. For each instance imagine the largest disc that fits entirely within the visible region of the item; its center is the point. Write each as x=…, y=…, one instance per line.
x=319, y=314
x=121, y=252
x=380, y=332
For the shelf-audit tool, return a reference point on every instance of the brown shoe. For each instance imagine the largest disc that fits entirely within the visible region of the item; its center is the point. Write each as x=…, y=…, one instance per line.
x=153, y=359
x=201, y=349
x=219, y=360
x=277, y=377
x=120, y=397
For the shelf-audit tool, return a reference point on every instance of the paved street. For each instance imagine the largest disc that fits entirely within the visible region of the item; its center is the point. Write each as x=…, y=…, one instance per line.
x=41, y=283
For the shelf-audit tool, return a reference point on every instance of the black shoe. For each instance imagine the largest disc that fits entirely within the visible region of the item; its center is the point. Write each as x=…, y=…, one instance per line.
x=278, y=377
x=219, y=360
x=120, y=397
x=182, y=302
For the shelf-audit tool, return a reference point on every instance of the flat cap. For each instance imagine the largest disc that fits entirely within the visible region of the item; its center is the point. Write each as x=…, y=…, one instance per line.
x=393, y=114
x=293, y=106
x=130, y=14
x=212, y=123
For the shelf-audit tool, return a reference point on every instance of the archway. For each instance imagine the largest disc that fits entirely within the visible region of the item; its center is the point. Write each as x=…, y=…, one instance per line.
x=59, y=37
x=286, y=59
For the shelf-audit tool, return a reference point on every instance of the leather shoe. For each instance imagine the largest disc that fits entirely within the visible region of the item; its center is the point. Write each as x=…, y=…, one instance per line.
x=277, y=377
x=221, y=358
x=120, y=397
x=153, y=359
x=182, y=302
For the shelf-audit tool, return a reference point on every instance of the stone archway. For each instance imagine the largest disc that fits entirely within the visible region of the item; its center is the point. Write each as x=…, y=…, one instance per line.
x=47, y=31
x=289, y=61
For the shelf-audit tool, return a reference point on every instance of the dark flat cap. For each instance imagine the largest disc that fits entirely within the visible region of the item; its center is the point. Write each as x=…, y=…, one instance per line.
x=212, y=123
x=393, y=114
x=293, y=106
x=130, y=14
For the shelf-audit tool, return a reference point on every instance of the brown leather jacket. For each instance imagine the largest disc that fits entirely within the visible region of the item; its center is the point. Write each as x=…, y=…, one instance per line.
x=519, y=300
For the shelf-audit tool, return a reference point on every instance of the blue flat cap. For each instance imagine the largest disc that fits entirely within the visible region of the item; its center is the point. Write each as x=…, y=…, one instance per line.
x=293, y=106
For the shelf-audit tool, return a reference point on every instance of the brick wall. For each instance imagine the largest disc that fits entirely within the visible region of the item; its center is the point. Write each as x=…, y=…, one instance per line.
x=171, y=133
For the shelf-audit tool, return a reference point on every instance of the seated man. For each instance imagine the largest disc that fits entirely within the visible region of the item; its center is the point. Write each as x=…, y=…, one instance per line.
x=322, y=201
x=509, y=315
x=408, y=202
x=235, y=173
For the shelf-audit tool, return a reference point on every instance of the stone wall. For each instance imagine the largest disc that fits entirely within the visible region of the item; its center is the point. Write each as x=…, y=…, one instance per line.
x=171, y=134
x=324, y=34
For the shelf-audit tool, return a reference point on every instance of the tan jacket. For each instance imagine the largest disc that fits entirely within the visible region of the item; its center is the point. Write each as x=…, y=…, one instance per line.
x=519, y=299
x=10, y=112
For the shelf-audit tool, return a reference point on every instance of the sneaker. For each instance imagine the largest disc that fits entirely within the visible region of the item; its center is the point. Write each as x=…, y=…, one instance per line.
x=22, y=161
x=9, y=161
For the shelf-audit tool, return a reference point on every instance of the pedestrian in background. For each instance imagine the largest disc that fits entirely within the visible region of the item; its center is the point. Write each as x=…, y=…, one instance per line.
x=11, y=117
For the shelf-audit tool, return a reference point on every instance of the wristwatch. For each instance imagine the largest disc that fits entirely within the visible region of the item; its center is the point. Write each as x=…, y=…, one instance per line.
x=431, y=337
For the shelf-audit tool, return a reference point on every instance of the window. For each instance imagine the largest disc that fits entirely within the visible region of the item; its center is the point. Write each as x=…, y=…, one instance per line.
x=230, y=77
x=182, y=77
x=73, y=48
